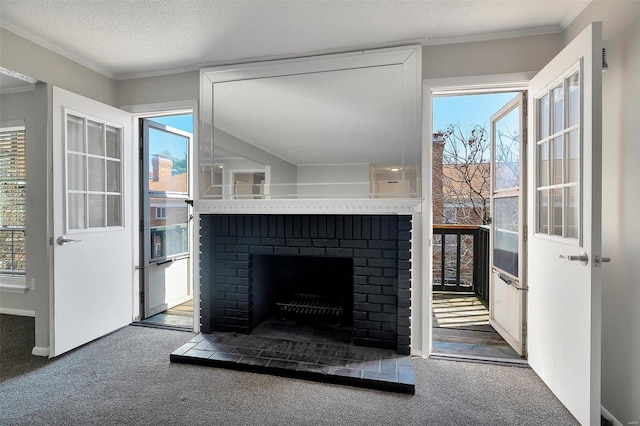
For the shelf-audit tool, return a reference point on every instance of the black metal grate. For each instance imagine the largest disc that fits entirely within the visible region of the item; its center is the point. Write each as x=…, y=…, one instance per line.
x=312, y=305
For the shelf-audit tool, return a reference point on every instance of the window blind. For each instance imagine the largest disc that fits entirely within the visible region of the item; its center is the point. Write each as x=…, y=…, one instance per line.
x=12, y=199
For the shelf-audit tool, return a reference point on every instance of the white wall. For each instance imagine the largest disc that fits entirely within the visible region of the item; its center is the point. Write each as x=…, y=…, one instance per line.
x=158, y=89
x=32, y=107
x=620, y=205
x=513, y=55
x=19, y=54
x=335, y=173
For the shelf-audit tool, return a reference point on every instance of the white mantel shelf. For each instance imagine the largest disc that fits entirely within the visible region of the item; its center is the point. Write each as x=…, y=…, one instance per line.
x=325, y=206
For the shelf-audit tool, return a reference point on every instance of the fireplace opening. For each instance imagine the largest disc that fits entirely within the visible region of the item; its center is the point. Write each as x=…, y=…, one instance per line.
x=303, y=289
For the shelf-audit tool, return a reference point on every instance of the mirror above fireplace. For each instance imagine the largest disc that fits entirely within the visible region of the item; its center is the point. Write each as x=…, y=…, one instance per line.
x=343, y=126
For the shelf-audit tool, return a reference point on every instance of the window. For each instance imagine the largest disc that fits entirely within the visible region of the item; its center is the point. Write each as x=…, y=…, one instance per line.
x=12, y=199
x=161, y=213
x=94, y=167
x=558, y=112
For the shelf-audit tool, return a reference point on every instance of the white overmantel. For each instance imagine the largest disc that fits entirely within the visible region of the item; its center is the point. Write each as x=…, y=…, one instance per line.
x=365, y=206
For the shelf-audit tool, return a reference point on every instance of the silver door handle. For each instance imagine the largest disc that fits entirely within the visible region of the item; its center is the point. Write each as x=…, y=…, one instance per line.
x=62, y=241
x=597, y=260
x=582, y=258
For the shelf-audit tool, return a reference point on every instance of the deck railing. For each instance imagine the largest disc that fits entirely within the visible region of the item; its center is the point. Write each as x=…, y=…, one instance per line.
x=12, y=251
x=461, y=258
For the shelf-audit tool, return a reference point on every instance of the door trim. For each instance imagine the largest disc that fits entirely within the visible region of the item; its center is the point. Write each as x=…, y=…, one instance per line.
x=422, y=342
x=154, y=110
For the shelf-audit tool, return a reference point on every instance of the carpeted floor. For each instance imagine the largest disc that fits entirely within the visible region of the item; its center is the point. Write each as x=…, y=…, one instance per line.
x=126, y=379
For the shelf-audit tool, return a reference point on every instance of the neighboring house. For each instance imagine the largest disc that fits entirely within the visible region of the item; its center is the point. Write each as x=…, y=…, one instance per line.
x=169, y=229
x=467, y=59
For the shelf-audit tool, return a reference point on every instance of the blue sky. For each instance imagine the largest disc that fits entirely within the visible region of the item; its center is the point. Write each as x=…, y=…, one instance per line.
x=182, y=122
x=166, y=142
x=468, y=109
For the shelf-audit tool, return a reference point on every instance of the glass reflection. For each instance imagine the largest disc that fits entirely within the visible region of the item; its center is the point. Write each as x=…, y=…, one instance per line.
x=169, y=227
x=506, y=242
x=336, y=132
x=507, y=151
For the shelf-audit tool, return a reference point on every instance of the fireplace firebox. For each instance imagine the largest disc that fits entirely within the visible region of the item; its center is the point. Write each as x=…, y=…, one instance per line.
x=355, y=269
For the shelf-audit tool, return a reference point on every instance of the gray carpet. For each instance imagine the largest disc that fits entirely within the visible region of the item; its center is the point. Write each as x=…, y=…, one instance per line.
x=126, y=379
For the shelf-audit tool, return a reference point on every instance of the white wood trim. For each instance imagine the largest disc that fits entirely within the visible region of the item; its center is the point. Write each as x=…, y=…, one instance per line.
x=18, y=312
x=311, y=64
x=155, y=110
x=449, y=86
x=40, y=351
x=320, y=206
x=16, y=285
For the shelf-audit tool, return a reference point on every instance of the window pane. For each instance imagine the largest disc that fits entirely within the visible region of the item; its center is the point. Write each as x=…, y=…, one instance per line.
x=75, y=133
x=556, y=160
x=543, y=211
x=543, y=117
x=95, y=135
x=113, y=142
x=574, y=99
x=558, y=108
x=573, y=157
x=114, y=210
x=76, y=172
x=556, y=211
x=96, y=174
x=543, y=164
x=507, y=151
x=113, y=176
x=506, y=243
x=96, y=211
x=76, y=213
x=168, y=154
x=573, y=212
x=169, y=230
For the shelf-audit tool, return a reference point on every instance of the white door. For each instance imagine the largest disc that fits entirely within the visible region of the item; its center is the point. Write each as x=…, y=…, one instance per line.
x=564, y=216
x=507, y=288
x=92, y=286
x=166, y=217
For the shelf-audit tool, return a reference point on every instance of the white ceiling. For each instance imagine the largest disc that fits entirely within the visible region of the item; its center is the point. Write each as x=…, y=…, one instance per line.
x=123, y=38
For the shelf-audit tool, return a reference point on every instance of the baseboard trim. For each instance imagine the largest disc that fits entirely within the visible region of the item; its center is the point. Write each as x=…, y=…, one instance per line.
x=40, y=351
x=19, y=312
x=607, y=415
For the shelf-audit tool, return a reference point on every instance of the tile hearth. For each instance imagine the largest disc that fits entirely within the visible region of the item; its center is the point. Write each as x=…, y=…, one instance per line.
x=315, y=359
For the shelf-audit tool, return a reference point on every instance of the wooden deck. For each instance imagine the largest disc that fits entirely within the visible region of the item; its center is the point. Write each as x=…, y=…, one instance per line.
x=461, y=330
x=180, y=316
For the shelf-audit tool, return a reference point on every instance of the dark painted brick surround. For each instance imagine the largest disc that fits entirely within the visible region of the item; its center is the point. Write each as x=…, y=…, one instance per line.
x=378, y=244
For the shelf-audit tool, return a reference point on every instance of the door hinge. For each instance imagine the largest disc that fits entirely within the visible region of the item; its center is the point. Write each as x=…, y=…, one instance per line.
x=525, y=229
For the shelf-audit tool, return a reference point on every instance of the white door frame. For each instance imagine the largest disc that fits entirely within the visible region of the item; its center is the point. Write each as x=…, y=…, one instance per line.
x=421, y=331
x=155, y=110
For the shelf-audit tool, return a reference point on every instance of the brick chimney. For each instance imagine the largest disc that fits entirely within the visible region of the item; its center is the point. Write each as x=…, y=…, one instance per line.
x=161, y=167
x=437, y=155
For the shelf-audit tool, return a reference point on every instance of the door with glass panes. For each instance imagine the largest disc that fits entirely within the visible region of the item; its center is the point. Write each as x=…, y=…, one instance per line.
x=92, y=233
x=507, y=286
x=167, y=216
x=564, y=212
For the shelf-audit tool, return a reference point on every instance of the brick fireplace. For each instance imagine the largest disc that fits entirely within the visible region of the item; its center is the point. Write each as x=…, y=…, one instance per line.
x=371, y=251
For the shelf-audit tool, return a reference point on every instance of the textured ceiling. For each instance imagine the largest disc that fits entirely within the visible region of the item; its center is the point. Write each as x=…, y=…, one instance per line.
x=122, y=38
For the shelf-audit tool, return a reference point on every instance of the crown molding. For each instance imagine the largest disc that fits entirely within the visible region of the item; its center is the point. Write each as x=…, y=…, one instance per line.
x=494, y=36
x=56, y=49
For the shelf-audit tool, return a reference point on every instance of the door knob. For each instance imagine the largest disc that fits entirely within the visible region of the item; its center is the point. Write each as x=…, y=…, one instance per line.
x=62, y=241
x=582, y=258
x=597, y=260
